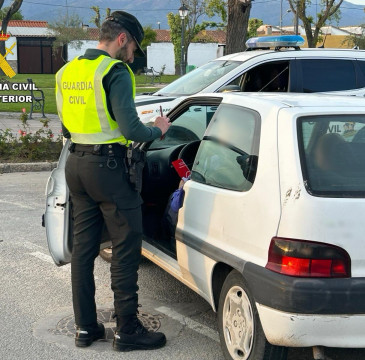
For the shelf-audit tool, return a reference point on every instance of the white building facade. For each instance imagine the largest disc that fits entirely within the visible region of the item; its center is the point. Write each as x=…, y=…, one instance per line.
x=162, y=54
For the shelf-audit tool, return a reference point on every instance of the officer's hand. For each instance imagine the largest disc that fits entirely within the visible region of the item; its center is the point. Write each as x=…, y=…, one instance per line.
x=163, y=123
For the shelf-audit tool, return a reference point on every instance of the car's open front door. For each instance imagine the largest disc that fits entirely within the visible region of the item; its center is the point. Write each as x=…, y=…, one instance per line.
x=58, y=213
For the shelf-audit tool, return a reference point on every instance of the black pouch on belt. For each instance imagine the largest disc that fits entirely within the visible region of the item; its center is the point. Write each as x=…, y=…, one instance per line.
x=136, y=159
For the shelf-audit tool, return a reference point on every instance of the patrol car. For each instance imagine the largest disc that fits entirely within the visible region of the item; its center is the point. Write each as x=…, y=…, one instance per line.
x=270, y=230
x=284, y=68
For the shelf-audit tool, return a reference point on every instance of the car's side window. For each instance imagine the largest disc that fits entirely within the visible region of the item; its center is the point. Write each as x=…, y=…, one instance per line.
x=362, y=66
x=269, y=77
x=187, y=127
x=328, y=75
x=228, y=155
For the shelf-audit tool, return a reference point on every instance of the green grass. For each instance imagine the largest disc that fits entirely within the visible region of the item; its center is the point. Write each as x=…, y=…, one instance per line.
x=41, y=80
x=165, y=79
x=46, y=82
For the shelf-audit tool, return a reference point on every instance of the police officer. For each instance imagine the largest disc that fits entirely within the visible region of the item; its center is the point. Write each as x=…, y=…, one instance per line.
x=95, y=101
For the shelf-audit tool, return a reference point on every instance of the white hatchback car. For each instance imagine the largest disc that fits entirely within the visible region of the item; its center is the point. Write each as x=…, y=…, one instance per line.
x=271, y=226
x=280, y=69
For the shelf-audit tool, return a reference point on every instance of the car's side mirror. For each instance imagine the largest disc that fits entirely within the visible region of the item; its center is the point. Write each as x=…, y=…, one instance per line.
x=229, y=88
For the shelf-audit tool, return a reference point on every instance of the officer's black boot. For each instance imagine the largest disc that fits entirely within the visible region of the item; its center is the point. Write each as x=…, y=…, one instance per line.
x=132, y=335
x=85, y=335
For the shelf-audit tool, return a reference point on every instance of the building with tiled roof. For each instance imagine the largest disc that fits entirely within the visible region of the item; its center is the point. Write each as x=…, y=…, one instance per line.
x=27, y=23
x=330, y=36
x=163, y=35
x=34, y=52
x=213, y=36
x=93, y=34
x=205, y=36
x=27, y=28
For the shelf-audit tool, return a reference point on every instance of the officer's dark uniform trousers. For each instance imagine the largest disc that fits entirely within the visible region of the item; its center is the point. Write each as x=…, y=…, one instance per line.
x=104, y=205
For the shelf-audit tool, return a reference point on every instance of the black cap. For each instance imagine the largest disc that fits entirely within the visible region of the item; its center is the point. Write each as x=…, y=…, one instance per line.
x=130, y=23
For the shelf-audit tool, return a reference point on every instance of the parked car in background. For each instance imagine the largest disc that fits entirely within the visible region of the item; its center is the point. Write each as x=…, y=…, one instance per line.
x=283, y=68
x=271, y=228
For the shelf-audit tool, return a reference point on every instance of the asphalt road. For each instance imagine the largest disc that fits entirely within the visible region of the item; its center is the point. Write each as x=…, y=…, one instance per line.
x=35, y=294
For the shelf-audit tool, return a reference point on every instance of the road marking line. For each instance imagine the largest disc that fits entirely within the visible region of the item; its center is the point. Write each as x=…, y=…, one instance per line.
x=191, y=324
x=49, y=259
x=18, y=204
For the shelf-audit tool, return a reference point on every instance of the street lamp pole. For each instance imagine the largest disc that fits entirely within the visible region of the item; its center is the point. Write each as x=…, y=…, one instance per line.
x=281, y=20
x=182, y=72
x=281, y=17
x=183, y=12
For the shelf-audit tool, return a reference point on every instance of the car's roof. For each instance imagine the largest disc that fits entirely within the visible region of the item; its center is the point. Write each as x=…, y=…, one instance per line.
x=290, y=100
x=246, y=55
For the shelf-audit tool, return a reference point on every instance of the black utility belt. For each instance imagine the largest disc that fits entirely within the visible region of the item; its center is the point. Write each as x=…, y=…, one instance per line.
x=133, y=159
x=100, y=149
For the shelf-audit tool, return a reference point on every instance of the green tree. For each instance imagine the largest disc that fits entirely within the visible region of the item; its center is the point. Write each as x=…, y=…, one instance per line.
x=149, y=37
x=197, y=8
x=253, y=25
x=329, y=10
x=357, y=40
x=16, y=16
x=12, y=9
x=96, y=19
x=67, y=31
x=237, y=27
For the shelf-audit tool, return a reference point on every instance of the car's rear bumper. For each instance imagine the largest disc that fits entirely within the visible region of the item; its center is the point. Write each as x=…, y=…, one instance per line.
x=321, y=296
x=301, y=330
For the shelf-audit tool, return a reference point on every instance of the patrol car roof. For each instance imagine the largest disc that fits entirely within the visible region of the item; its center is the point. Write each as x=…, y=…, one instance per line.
x=296, y=100
x=246, y=55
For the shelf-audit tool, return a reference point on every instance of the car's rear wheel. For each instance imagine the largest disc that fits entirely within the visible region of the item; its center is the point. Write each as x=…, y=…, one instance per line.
x=240, y=330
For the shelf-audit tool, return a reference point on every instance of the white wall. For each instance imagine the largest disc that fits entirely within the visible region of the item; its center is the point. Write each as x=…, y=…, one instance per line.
x=199, y=53
x=9, y=43
x=159, y=54
x=86, y=44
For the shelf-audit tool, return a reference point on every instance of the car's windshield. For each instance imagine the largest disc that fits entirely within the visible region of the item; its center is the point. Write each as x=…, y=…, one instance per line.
x=333, y=154
x=198, y=79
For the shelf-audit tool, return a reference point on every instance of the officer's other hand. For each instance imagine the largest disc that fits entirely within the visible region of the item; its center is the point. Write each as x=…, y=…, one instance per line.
x=163, y=123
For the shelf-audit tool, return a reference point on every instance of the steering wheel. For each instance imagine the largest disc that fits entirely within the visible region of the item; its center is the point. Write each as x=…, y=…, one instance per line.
x=188, y=153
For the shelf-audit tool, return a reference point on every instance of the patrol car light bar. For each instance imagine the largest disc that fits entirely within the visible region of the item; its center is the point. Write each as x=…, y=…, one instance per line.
x=275, y=41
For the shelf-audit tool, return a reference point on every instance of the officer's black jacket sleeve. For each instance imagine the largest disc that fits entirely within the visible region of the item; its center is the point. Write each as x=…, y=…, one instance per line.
x=118, y=87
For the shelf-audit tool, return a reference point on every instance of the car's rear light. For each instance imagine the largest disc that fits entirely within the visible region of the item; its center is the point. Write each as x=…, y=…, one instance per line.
x=308, y=259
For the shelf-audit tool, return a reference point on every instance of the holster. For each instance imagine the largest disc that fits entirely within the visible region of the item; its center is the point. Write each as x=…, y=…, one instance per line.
x=136, y=159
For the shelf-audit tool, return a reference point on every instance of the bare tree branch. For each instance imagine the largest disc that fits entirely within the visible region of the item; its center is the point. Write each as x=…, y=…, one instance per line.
x=328, y=9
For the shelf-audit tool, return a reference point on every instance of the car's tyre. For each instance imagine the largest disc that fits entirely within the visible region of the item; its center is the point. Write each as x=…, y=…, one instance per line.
x=106, y=254
x=240, y=330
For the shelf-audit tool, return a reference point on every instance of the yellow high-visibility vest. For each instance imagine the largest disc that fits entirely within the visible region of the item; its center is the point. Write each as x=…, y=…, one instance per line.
x=81, y=101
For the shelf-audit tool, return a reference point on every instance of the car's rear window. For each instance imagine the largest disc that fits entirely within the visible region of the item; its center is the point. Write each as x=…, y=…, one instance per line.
x=332, y=153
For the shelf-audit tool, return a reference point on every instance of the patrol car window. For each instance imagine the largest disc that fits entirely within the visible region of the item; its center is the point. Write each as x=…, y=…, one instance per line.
x=269, y=77
x=362, y=66
x=228, y=155
x=332, y=153
x=198, y=79
x=328, y=75
x=187, y=127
